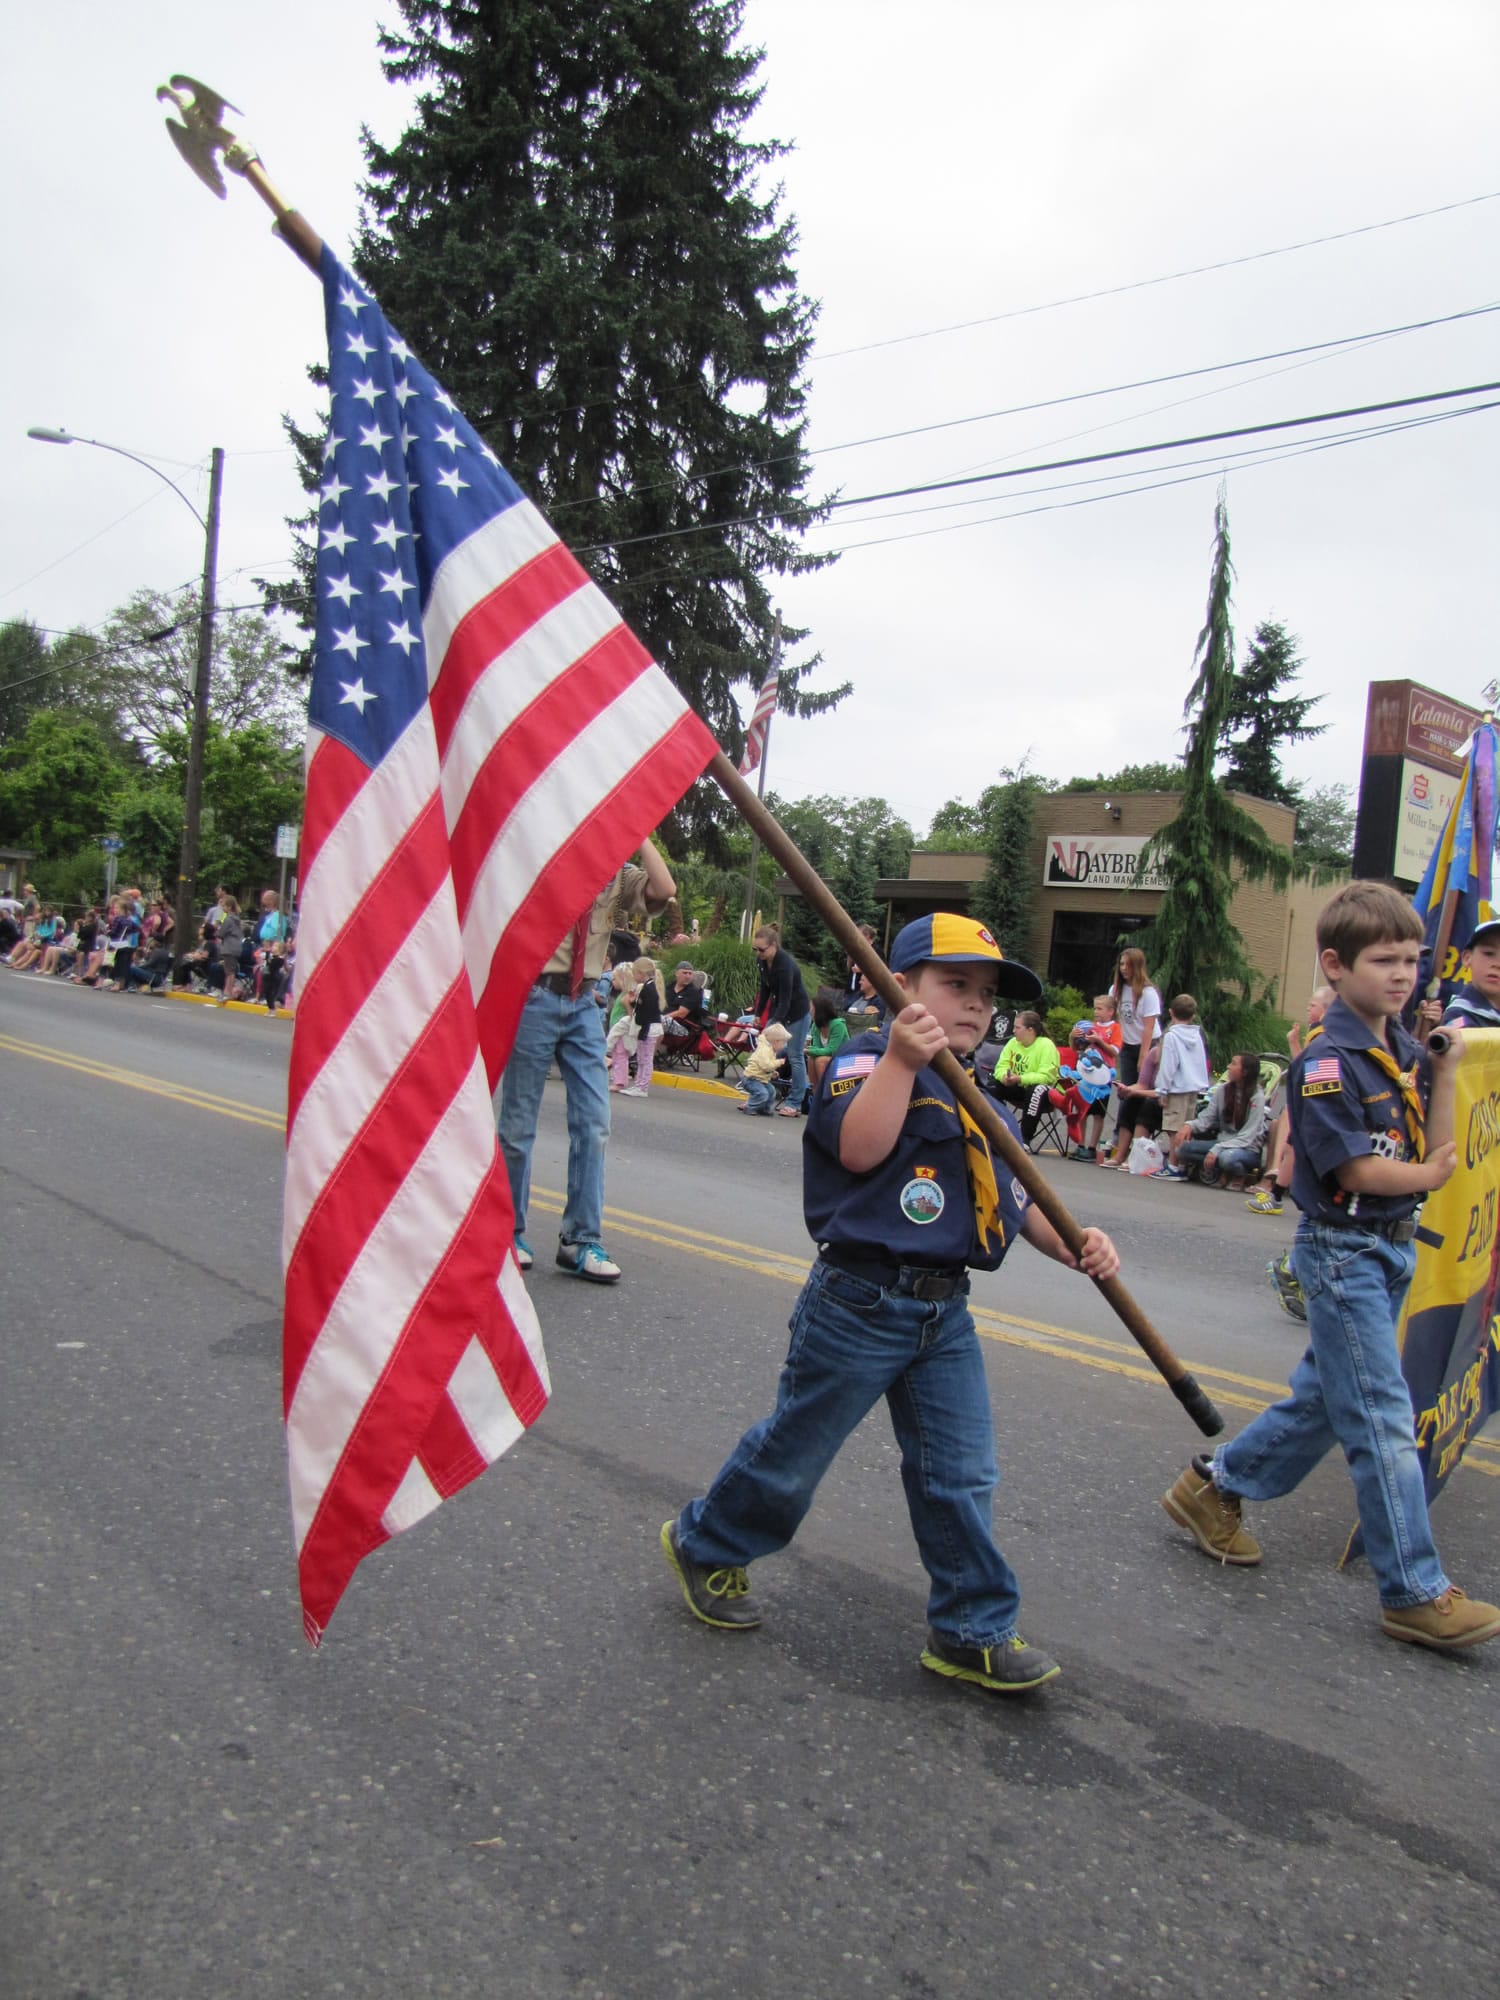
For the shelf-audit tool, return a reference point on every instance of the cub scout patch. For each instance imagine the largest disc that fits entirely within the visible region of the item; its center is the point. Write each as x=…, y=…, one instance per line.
x=859, y=1065
x=1321, y=1077
x=922, y=1200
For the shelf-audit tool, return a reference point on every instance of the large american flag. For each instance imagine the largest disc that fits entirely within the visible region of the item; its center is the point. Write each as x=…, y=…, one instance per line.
x=486, y=743
x=760, y=720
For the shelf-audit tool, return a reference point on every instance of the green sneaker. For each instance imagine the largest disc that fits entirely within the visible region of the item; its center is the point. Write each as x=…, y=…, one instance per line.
x=1010, y=1666
x=720, y=1597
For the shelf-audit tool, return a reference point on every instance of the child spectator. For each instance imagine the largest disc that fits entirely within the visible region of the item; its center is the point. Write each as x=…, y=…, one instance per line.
x=1029, y=1067
x=760, y=1072
x=829, y=1032
x=648, y=1005
x=1223, y=1143
x=1275, y=1183
x=1372, y=1126
x=1138, y=1011
x=231, y=935
x=620, y=1040
x=889, y=1200
x=1182, y=1073
x=1095, y=1049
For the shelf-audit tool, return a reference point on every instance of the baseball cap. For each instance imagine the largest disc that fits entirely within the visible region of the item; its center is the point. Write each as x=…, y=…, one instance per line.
x=684, y=965
x=1486, y=932
x=946, y=939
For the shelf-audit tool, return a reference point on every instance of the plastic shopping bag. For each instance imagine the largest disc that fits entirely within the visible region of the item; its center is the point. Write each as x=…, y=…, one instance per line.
x=1145, y=1156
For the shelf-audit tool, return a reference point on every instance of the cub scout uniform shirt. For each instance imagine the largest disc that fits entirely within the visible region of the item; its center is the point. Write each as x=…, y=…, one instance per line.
x=916, y=1206
x=1347, y=1099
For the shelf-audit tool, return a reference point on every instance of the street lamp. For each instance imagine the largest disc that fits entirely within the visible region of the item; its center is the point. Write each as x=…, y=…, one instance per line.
x=192, y=805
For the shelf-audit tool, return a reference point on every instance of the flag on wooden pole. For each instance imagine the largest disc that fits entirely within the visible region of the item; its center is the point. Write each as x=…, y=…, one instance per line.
x=760, y=720
x=487, y=741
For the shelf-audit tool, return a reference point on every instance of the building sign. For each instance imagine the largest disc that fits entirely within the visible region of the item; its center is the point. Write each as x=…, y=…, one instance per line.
x=1108, y=861
x=1414, y=742
x=1427, y=797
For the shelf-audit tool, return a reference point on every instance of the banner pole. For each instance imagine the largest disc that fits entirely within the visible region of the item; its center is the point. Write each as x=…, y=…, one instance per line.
x=1007, y=1148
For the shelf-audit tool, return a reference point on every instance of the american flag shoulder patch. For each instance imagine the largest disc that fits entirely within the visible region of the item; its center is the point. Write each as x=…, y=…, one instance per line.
x=1321, y=1077
x=859, y=1065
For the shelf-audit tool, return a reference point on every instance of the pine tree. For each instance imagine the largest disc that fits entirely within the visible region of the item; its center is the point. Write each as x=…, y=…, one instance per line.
x=572, y=235
x=1192, y=946
x=1258, y=724
x=1005, y=901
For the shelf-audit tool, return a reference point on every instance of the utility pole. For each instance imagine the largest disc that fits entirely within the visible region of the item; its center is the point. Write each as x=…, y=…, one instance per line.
x=184, y=935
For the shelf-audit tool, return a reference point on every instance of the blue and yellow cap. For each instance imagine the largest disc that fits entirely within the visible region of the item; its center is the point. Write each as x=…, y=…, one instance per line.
x=954, y=940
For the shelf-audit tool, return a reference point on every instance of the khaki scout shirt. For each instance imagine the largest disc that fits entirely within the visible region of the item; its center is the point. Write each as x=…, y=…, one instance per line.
x=625, y=890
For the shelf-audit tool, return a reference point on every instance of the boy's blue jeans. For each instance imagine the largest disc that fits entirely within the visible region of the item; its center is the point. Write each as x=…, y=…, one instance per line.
x=761, y=1095
x=852, y=1343
x=572, y=1031
x=1348, y=1389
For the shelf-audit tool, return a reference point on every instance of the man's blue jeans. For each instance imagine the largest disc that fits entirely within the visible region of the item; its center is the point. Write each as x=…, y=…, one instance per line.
x=552, y=1025
x=1348, y=1389
x=852, y=1343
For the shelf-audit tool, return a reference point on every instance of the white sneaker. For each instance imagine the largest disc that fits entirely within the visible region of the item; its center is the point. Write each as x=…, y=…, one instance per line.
x=587, y=1260
x=632, y=1090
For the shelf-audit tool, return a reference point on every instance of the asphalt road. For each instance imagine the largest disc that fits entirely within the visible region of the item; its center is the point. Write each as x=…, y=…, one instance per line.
x=517, y=1767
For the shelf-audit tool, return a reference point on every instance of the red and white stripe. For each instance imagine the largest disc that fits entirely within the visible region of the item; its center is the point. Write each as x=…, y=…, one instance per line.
x=435, y=886
x=760, y=720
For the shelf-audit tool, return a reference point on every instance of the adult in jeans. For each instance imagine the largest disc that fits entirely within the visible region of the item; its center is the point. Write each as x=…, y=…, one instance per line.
x=782, y=997
x=561, y=1023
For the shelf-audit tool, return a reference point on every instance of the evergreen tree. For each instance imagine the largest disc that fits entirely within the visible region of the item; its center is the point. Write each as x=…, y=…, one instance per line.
x=1258, y=723
x=1005, y=901
x=572, y=235
x=1192, y=946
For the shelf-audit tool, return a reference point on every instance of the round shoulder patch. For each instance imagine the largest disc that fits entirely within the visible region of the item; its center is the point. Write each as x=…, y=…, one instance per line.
x=922, y=1201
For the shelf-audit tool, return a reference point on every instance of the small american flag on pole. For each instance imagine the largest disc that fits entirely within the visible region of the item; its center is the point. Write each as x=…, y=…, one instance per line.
x=486, y=743
x=760, y=721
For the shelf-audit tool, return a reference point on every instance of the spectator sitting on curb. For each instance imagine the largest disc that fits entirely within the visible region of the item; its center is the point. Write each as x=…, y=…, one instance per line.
x=1224, y=1140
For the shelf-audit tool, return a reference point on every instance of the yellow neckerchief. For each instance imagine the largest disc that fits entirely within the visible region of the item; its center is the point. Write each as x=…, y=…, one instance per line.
x=984, y=1189
x=1405, y=1081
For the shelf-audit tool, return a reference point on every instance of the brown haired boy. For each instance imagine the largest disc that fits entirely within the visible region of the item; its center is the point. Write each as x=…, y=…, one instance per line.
x=1368, y=1148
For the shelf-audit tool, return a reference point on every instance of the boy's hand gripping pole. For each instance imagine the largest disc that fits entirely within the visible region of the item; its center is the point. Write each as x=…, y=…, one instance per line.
x=1003, y=1142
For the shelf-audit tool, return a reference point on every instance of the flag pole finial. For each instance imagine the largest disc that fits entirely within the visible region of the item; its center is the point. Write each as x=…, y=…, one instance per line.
x=205, y=142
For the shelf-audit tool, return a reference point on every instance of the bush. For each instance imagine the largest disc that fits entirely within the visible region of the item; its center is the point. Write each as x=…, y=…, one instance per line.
x=1061, y=1007
x=732, y=968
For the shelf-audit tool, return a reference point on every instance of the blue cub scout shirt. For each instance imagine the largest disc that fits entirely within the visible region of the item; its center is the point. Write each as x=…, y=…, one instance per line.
x=915, y=1206
x=1344, y=1106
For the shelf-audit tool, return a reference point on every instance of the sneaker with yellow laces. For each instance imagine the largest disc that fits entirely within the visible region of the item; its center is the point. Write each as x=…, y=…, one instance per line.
x=1447, y=1624
x=720, y=1595
x=1010, y=1666
x=1211, y=1517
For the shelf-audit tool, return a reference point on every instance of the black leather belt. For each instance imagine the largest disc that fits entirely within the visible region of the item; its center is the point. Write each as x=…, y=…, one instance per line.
x=560, y=983
x=915, y=1281
x=1403, y=1230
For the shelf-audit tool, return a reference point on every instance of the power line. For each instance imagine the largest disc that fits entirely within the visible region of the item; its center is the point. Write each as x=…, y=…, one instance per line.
x=1053, y=465
x=1144, y=284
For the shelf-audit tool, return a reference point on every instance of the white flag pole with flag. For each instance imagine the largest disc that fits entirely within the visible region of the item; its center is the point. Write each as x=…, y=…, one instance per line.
x=487, y=742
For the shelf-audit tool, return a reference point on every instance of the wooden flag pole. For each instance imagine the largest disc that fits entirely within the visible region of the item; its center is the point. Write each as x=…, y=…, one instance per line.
x=202, y=140
x=1003, y=1142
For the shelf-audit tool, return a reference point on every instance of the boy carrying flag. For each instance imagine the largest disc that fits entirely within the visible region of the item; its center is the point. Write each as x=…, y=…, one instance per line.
x=901, y=1196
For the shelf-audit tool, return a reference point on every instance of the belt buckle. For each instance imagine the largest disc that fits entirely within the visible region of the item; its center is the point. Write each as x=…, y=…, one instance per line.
x=1405, y=1230
x=931, y=1285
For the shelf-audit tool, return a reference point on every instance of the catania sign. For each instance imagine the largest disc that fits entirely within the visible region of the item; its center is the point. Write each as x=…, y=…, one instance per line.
x=1079, y=861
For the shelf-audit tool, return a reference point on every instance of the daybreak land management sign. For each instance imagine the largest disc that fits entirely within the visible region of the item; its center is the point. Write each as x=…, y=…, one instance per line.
x=1079, y=861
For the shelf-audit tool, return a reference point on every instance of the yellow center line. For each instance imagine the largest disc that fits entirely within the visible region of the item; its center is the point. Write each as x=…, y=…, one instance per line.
x=180, y=1093
x=1062, y=1343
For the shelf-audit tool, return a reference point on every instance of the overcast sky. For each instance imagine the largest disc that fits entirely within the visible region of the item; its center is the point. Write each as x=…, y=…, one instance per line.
x=955, y=163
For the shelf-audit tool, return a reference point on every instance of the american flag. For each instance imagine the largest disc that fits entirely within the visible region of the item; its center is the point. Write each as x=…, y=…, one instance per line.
x=1323, y=1069
x=486, y=743
x=760, y=721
